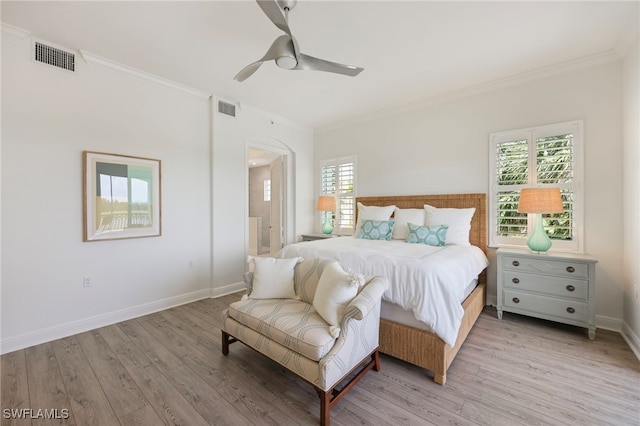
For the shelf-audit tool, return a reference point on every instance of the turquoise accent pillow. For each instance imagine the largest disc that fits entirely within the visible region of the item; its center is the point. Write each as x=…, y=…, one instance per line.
x=376, y=229
x=430, y=235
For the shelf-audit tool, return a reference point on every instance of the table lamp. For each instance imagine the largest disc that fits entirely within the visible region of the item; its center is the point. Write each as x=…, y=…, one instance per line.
x=327, y=204
x=539, y=201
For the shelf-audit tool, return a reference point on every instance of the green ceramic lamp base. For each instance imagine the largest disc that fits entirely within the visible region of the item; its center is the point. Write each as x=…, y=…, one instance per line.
x=327, y=226
x=539, y=241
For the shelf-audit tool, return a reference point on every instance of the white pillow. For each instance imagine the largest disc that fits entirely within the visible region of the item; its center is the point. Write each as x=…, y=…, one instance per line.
x=458, y=220
x=273, y=278
x=404, y=216
x=372, y=213
x=336, y=289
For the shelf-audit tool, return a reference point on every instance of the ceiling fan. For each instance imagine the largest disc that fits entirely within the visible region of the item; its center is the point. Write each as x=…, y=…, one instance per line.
x=285, y=50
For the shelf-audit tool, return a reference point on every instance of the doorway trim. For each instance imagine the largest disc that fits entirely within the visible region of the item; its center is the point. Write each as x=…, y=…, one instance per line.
x=288, y=202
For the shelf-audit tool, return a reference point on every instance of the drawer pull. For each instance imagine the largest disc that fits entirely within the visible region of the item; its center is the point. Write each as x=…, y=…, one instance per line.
x=515, y=263
x=515, y=280
x=516, y=300
x=571, y=310
x=571, y=269
x=570, y=288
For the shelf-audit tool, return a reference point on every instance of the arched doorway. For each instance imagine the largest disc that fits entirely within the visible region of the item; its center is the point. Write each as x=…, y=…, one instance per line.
x=269, y=198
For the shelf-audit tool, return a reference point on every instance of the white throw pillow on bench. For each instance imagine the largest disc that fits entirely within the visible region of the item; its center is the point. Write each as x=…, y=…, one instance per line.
x=273, y=278
x=336, y=289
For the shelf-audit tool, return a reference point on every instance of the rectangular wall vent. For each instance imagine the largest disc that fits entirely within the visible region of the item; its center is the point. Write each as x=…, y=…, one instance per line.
x=226, y=108
x=54, y=56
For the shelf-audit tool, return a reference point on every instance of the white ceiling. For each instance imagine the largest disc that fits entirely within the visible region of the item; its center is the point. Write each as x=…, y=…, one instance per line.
x=411, y=50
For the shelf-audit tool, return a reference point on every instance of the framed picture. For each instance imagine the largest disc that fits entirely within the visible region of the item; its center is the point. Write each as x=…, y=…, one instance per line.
x=121, y=197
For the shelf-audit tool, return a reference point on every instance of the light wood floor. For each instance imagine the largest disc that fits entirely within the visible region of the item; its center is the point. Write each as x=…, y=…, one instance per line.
x=167, y=368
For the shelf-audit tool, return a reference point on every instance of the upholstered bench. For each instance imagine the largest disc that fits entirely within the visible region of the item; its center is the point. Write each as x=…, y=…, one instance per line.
x=321, y=337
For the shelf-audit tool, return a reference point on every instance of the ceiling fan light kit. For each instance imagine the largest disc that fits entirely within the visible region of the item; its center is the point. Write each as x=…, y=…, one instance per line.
x=284, y=51
x=286, y=61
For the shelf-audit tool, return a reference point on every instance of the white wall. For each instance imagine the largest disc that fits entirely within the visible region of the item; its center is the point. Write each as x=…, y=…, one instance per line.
x=49, y=116
x=631, y=193
x=232, y=136
x=443, y=148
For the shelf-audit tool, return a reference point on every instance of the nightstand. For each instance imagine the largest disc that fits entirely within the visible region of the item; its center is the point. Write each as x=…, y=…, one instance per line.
x=313, y=237
x=553, y=286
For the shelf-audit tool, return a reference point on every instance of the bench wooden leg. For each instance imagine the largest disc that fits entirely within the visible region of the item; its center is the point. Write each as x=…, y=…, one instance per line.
x=325, y=407
x=225, y=343
x=227, y=339
x=330, y=397
x=376, y=359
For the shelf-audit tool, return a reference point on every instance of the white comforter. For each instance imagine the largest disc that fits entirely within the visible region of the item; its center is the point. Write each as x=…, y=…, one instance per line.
x=429, y=281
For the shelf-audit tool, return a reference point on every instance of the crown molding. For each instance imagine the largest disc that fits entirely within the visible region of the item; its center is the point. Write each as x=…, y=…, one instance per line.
x=14, y=32
x=91, y=58
x=514, y=80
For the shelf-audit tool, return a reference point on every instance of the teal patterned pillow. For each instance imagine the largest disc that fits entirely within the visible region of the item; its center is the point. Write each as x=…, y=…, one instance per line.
x=376, y=229
x=430, y=235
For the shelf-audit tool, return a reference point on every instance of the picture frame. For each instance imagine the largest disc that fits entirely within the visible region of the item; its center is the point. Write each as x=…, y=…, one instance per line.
x=121, y=197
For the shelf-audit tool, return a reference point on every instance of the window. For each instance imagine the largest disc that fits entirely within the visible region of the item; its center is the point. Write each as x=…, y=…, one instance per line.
x=338, y=178
x=546, y=156
x=267, y=190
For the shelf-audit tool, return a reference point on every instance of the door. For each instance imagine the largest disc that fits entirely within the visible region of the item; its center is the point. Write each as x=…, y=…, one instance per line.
x=275, y=223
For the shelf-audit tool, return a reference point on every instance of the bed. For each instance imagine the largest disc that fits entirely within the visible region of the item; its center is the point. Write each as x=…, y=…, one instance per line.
x=401, y=334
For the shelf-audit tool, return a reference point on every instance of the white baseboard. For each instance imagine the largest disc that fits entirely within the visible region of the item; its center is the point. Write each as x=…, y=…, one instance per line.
x=228, y=289
x=491, y=300
x=632, y=339
x=69, y=329
x=608, y=323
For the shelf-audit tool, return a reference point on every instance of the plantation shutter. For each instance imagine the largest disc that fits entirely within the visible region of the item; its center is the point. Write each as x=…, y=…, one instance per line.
x=512, y=162
x=338, y=179
x=548, y=156
x=555, y=167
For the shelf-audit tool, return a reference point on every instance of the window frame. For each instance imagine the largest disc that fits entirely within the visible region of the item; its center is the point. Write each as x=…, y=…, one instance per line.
x=531, y=135
x=336, y=162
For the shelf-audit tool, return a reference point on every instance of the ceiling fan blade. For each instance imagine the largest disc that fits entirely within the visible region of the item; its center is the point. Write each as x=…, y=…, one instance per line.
x=273, y=12
x=280, y=47
x=247, y=71
x=306, y=62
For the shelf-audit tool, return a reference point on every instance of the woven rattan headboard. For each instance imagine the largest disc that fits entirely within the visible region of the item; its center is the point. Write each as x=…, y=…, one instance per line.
x=478, y=232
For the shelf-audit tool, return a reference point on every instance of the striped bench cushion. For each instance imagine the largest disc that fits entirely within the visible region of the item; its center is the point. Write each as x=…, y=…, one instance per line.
x=292, y=323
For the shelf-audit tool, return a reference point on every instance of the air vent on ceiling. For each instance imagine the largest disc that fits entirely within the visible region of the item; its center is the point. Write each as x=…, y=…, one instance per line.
x=54, y=56
x=226, y=108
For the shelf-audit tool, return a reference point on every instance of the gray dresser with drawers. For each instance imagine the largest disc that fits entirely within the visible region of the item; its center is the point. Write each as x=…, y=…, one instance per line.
x=553, y=286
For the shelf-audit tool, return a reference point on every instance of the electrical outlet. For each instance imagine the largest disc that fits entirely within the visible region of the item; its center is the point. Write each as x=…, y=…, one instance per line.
x=190, y=264
x=87, y=281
